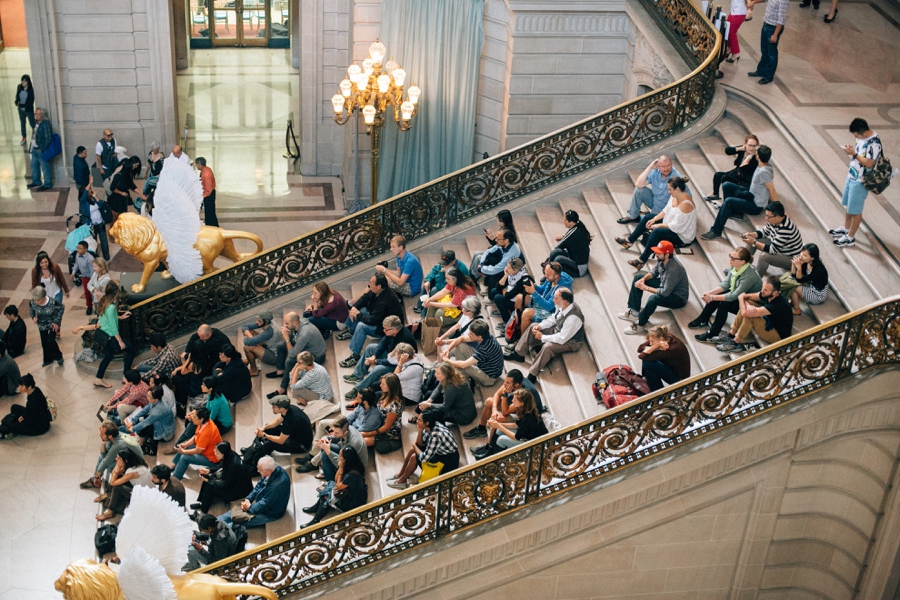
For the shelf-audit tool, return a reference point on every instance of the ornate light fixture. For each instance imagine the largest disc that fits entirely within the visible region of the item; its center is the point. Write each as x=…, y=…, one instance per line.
x=371, y=90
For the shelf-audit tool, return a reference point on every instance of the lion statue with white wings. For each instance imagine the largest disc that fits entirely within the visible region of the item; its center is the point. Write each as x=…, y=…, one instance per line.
x=152, y=542
x=175, y=236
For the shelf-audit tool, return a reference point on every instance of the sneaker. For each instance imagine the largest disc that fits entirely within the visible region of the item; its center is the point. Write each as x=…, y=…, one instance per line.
x=480, y=449
x=839, y=232
x=60, y=362
x=628, y=315
x=845, y=241
x=351, y=395
x=306, y=467
x=344, y=335
x=731, y=346
x=418, y=310
x=397, y=485
x=22, y=143
x=635, y=329
x=350, y=361
x=496, y=313
x=697, y=324
x=710, y=235
x=513, y=356
x=90, y=484
x=623, y=242
x=722, y=338
x=476, y=432
x=351, y=378
x=705, y=337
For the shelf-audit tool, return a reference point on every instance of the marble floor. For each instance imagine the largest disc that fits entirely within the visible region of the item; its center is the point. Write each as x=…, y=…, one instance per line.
x=820, y=86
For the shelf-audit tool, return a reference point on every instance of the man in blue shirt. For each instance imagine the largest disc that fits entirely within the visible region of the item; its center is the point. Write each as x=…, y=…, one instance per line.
x=651, y=190
x=267, y=502
x=407, y=279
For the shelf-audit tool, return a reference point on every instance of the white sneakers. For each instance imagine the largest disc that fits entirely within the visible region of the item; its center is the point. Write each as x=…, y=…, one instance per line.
x=843, y=238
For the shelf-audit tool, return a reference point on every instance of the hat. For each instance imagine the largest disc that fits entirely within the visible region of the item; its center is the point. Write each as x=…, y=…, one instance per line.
x=448, y=256
x=281, y=401
x=265, y=316
x=664, y=247
x=516, y=264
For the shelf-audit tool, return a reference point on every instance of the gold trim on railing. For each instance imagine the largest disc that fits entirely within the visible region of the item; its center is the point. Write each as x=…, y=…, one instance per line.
x=573, y=456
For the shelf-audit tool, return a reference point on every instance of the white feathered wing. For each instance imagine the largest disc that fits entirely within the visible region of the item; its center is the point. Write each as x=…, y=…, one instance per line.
x=176, y=208
x=159, y=526
x=141, y=577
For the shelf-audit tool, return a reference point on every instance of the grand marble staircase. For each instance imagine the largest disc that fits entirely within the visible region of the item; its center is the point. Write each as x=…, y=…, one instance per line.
x=859, y=276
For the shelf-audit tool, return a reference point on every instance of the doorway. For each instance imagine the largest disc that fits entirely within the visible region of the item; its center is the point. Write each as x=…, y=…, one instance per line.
x=239, y=23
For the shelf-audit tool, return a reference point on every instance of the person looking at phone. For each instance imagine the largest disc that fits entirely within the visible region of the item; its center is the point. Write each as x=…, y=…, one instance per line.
x=542, y=306
x=215, y=540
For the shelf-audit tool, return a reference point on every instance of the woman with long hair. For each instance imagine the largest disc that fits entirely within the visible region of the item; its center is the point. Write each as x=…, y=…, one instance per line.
x=99, y=279
x=48, y=274
x=452, y=399
x=573, y=249
x=348, y=490
x=527, y=426
x=226, y=482
x=386, y=439
x=108, y=322
x=25, y=104
x=122, y=185
x=327, y=309
x=808, y=278
x=459, y=287
x=233, y=374
x=33, y=418
x=676, y=223
x=47, y=314
x=130, y=470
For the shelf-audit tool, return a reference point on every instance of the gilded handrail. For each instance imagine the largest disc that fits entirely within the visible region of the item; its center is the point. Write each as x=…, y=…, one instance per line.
x=572, y=456
x=782, y=373
x=456, y=197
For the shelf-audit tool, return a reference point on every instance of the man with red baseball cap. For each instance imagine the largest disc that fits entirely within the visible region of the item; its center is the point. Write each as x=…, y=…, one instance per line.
x=667, y=282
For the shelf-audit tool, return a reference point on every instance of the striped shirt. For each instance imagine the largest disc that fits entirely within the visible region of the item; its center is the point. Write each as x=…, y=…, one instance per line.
x=776, y=12
x=489, y=357
x=317, y=381
x=439, y=440
x=784, y=238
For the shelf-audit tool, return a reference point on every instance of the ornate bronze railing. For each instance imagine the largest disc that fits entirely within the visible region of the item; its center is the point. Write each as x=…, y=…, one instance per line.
x=455, y=197
x=741, y=390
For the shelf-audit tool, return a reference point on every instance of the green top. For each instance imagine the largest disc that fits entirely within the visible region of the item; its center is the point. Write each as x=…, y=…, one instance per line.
x=109, y=320
x=219, y=411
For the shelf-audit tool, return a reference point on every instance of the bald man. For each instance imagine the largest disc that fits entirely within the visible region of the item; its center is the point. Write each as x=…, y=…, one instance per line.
x=180, y=154
x=107, y=161
x=651, y=190
x=202, y=349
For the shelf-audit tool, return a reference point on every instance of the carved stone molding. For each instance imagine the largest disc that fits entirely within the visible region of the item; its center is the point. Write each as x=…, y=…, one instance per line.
x=649, y=67
x=572, y=24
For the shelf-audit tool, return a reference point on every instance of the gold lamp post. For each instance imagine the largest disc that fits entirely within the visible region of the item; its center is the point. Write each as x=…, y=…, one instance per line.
x=371, y=90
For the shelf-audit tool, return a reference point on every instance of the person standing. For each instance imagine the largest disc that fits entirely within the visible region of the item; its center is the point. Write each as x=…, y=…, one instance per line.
x=180, y=154
x=735, y=19
x=25, y=104
x=773, y=27
x=41, y=175
x=46, y=273
x=862, y=156
x=47, y=314
x=208, y=181
x=82, y=272
x=15, y=335
x=108, y=321
x=81, y=172
x=107, y=161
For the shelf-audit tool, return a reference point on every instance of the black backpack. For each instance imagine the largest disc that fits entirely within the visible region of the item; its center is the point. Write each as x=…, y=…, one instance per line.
x=105, y=539
x=240, y=534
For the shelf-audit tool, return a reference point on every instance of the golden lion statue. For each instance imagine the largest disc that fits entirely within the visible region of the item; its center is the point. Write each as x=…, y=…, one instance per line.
x=89, y=580
x=139, y=237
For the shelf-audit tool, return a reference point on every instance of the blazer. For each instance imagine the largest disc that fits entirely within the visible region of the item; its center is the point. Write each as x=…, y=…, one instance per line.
x=271, y=495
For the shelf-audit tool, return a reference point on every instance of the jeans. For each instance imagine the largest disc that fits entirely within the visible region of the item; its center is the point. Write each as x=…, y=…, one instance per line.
x=100, y=230
x=360, y=332
x=209, y=210
x=112, y=346
x=183, y=461
x=741, y=203
x=656, y=236
x=504, y=306
x=644, y=196
x=329, y=469
x=656, y=373
x=655, y=300
x=768, y=60
x=562, y=257
x=369, y=375
x=640, y=228
x=40, y=166
x=504, y=441
x=256, y=521
x=323, y=324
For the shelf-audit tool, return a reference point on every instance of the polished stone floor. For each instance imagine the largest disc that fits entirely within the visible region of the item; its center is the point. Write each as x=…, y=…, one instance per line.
x=821, y=84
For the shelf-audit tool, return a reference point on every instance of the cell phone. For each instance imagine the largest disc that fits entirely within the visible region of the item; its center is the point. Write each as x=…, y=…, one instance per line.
x=485, y=229
x=329, y=429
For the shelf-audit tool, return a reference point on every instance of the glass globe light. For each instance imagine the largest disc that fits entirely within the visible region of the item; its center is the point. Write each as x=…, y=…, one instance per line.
x=391, y=66
x=399, y=77
x=361, y=82
x=369, y=114
x=377, y=51
x=406, y=110
x=346, y=87
x=414, y=93
x=337, y=102
x=367, y=65
x=353, y=70
x=384, y=82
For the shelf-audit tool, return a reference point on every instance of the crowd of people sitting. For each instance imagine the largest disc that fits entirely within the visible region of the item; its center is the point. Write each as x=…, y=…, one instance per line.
x=540, y=320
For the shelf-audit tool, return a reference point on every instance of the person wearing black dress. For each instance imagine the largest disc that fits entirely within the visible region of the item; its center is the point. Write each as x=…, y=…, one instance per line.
x=228, y=481
x=33, y=418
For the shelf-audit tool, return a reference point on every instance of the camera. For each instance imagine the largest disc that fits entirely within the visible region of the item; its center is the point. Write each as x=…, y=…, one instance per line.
x=527, y=281
x=328, y=429
x=201, y=536
x=383, y=263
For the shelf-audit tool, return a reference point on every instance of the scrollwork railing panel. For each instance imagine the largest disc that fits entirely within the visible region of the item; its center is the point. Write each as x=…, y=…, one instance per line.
x=603, y=446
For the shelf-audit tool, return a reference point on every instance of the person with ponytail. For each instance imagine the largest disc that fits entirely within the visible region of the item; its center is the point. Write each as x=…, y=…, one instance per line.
x=676, y=222
x=574, y=247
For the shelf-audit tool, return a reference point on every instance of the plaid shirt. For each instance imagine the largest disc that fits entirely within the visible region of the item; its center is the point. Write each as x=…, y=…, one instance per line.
x=439, y=440
x=132, y=394
x=776, y=12
x=163, y=363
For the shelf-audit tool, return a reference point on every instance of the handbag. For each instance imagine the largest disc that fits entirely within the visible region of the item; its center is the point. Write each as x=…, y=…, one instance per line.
x=105, y=211
x=430, y=470
x=101, y=338
x=51, y=407
x=54, y=149
x=431, y=329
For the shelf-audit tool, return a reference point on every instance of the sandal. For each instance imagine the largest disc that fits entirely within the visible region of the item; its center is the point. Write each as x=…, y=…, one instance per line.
x=254, y=373
x=413, y=420
x=100, y=498
x=106, y=515
x=797, y=311
x=638, y=265
x=319, y=476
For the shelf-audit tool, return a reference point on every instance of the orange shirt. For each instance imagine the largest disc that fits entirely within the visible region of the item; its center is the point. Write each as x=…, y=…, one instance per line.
x=207, y=437
x=207, y=180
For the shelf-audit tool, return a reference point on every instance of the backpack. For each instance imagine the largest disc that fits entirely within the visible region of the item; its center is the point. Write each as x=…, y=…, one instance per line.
x=878, y=178
x=105, y=539
x=251, y=456
x=513, y=331
x=240, y=535
x=619, y=384
x=51, y=408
